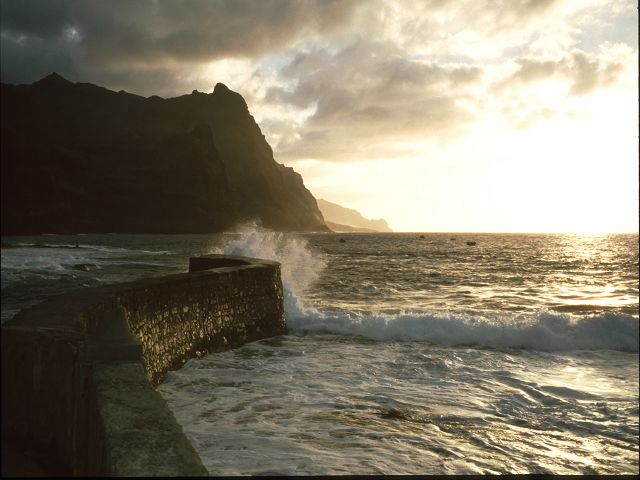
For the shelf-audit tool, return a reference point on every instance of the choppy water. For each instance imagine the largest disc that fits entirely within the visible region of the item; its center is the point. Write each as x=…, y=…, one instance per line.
x=405, y=354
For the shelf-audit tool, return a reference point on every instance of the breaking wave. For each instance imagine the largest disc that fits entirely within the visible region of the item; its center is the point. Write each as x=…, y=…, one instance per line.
x=300, y=266
x=546, y=331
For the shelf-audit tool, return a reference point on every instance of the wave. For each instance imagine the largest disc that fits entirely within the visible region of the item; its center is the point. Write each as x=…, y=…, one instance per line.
x=67, y=246
x=300, y=266
x=546, y=331
x=63, y=257
x=98, y=248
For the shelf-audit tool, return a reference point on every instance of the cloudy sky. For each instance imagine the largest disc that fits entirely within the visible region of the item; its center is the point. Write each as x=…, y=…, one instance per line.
x=438, y=115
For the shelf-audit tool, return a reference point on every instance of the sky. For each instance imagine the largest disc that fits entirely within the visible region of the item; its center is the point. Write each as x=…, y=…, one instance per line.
x=437, y=115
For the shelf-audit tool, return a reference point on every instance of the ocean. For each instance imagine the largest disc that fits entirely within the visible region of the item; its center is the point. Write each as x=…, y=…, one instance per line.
x=407, y=353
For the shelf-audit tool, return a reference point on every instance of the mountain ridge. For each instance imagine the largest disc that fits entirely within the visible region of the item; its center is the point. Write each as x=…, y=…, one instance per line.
x=79, y=158
x=342, y=217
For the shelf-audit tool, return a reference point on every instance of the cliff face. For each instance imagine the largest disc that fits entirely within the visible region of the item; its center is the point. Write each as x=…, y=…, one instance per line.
x=80, y=158
x=345, y=219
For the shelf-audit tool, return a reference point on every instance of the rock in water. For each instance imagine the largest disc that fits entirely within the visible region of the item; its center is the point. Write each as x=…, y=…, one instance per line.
x=85, y=267
x=80, y=158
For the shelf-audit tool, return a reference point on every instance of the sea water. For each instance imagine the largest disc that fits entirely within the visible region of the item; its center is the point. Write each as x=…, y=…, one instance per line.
x=406, y=353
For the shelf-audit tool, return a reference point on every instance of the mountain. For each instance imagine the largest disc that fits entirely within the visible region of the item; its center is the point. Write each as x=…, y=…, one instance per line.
x=336, y=227
x=344, y=218
x=77, y=157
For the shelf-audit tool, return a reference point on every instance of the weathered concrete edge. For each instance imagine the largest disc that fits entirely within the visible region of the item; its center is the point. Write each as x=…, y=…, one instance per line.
x=94, y=377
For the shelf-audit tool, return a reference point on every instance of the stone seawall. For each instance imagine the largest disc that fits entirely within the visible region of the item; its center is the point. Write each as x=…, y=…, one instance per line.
x=78, y=370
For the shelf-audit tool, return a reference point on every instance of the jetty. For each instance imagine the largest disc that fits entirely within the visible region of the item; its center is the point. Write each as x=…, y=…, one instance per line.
x=79, y=370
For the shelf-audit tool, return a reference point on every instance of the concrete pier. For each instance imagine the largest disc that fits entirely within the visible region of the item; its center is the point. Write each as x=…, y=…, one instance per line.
x=79, y=369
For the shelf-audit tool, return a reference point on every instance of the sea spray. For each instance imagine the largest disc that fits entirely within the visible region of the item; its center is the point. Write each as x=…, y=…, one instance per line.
x=330, y=401
x=300, y=265
x=546, y=331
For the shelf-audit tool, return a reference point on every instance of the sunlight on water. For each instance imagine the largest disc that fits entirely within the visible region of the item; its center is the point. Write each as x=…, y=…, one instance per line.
x=330, y=405
x=352, y=392
x=405, y=355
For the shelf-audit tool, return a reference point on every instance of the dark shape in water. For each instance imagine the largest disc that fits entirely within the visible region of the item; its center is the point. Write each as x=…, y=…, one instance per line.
x=394, y=414
x=421, y=236
x=471, y=243
x=84, y=267
x=453, y=239
x=342, y=240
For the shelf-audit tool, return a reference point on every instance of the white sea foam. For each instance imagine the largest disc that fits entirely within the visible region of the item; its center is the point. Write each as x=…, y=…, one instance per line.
x=61, y=258
x=308, y=404
x=300, y=266
x=545, y=331
x=31, y=259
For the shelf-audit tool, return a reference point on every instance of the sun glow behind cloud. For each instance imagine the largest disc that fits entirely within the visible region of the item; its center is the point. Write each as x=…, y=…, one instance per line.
x=552, y=147
x=567, y=170
x=438, y=116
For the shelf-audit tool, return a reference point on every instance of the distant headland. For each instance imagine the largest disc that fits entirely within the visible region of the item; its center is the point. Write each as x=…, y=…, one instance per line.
x=341, y=219
x=77, y=157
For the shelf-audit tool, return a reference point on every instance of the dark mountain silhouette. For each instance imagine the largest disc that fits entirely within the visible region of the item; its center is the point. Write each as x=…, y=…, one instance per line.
x=77, y=157
x=342, y=219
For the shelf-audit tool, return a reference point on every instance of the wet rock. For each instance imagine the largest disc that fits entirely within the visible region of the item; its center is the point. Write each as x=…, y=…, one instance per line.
x=85, y=267
x=394, y=414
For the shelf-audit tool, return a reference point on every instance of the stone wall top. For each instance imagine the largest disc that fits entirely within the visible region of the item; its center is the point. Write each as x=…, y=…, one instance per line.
x=73, y=366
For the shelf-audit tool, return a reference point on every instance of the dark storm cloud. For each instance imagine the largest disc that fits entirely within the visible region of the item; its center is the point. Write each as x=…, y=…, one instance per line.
x=585, y=72
x=24, y=59
x=84, y=38
x=43, y=19
x=360, y=77
x=92, y=34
